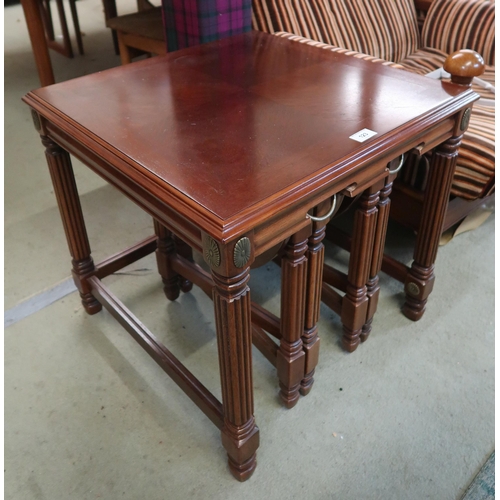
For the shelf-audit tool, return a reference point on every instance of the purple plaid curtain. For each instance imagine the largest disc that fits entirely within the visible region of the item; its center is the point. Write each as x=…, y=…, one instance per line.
x=191, y=22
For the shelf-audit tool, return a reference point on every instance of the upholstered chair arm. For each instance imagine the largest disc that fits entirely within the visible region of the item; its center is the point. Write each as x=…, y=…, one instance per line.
x=452, y=25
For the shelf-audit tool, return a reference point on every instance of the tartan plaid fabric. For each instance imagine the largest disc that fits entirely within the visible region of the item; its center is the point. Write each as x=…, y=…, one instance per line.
x=191, y=22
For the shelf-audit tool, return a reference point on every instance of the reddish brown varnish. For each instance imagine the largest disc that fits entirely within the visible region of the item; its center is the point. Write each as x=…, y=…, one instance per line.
x=241, y=138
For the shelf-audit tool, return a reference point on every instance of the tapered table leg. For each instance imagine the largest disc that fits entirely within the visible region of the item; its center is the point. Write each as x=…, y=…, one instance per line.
x=169, y=245
x=355, y=301
x=420, y=278
x=185, y=251
x=290, y=361
x=310, y=339
x=372, y=285
x=165, y=249
x=240, y=435
x=63, y=179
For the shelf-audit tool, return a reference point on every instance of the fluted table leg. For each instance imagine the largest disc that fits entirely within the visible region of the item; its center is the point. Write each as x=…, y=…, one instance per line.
x=355, y=301
x=63, y=180
x=310, y=339
x=165, y=249
x=185, y=251
x=420, y=278
x=240, y=435
x=290, y=361
x=372, y=285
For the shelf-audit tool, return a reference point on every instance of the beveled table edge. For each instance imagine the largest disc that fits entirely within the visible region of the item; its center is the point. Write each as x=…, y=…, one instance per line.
x=301, y=196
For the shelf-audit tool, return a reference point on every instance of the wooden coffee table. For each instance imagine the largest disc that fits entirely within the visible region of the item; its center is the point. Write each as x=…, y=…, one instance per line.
x=230, y=147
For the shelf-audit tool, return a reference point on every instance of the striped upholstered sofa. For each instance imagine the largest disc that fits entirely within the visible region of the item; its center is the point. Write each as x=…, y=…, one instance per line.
x=386, y=32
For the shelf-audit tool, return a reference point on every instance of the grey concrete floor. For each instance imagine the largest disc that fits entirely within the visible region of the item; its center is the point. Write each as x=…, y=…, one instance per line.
x=409, y=415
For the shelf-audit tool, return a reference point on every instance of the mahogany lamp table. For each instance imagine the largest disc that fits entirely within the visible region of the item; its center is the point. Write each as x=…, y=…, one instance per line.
x=231, y=146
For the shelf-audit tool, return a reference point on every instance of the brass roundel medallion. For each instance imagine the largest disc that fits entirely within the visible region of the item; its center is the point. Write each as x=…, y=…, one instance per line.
x=465, y=119
x=242, y=251
x=212, y=254
x=36, y=120
x=412, y=288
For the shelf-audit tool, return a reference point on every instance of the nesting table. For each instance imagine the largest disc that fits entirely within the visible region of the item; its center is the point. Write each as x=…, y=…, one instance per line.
x=236, y=149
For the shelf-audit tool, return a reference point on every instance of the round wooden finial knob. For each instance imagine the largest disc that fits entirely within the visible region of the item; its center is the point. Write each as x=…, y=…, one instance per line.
x=463, y=66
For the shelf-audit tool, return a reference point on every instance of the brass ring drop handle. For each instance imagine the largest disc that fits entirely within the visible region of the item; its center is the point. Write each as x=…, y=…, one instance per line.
x=398, y=168
x=328, y=215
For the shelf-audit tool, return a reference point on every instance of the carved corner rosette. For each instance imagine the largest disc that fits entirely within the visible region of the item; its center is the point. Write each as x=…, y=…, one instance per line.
x=36, y=121
x=413, y=289
x=464, y=122
x=211, y=252
x=242, y=252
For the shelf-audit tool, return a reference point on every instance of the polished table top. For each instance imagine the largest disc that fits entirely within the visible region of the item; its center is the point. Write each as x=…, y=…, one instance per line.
x=234, y=125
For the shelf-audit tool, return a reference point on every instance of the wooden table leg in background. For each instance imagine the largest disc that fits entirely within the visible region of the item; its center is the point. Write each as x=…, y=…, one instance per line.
x=38, y=42
x=185, y=251
x=372, y=285
x=111, y=12
x=290, y=361
x=68, y=201
x=355, y=302
x=420, y=278
x=310, y=339
x=166, y=248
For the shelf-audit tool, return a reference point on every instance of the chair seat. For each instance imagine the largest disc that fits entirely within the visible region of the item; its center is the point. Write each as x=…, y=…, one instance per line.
x=146, y=23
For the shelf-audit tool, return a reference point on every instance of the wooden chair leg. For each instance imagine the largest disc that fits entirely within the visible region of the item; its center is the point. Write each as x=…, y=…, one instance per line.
x=64, y=28
x=76, y=24
x=47, y=19
x=110, y=12
x=125, y=54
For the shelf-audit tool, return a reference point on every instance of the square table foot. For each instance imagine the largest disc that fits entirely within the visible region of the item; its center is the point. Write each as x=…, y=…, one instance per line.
x=306, y=384
x=244, y=471
x=351, y=339
x=413, y=308
x=241, y=443
x=290, y=363
x=311, y=345
x=90, y=303
x=289, y=397
x=366, y=330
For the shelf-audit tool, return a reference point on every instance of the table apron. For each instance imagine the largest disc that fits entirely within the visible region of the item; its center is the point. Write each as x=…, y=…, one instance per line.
x=285, y=221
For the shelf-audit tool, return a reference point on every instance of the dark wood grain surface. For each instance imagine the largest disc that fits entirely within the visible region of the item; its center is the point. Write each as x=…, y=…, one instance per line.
x=237, y=122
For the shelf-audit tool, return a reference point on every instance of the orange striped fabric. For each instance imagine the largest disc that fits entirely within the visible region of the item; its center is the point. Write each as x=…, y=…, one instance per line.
x=338, y=50
x=386, y=29
x=475, y=171
x=452, y=25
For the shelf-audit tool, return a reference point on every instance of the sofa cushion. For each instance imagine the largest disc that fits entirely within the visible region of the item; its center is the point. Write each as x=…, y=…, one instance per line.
x=452, y=25
x=386, y=29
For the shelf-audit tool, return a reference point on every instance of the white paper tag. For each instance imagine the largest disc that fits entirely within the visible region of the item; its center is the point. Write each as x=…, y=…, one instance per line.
x=362, y=135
